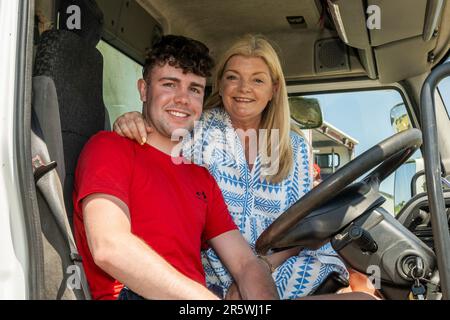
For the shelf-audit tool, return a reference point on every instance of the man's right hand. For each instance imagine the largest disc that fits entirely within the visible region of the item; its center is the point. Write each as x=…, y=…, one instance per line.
x=233, y=293
x=132, y=126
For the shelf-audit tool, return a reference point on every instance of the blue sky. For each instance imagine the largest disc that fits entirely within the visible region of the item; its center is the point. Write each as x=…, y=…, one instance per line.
x=363, y=115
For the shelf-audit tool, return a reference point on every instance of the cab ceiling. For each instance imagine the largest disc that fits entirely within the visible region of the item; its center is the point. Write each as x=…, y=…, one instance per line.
x=206, y=18
x=219, y=23
x=403, y=48
x=397, y=51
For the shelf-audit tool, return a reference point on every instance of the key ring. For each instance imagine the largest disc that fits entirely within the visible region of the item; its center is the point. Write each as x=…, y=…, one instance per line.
x=414, y=276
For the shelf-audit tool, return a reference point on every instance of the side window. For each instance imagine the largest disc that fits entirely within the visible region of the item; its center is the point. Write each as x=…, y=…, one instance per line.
x=444, y=91
x=356, y=121
x=120, y=76
x=410, y=174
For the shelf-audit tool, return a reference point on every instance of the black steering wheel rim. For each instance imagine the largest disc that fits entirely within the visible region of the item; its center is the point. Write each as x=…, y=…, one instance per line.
x=388, y=155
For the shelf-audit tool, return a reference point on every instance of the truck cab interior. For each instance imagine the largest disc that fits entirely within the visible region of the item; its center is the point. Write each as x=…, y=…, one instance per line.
x=76, y=87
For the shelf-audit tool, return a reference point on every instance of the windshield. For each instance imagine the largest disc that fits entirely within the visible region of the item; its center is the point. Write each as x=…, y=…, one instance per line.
x=364, y=118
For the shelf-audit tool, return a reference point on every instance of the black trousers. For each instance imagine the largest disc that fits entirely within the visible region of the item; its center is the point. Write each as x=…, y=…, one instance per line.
x=127, y=294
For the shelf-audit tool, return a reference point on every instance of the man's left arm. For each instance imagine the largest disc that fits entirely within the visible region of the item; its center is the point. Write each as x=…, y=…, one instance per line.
x=251, y=275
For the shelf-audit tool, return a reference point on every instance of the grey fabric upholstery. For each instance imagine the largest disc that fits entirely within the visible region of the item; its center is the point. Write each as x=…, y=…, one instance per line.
x=77, y=71
x=46, y=108
x=56, y=233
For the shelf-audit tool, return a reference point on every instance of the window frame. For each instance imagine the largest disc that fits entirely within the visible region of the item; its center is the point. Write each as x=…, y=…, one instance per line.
x=446, y=107
x=115, y=46
x=23, y=254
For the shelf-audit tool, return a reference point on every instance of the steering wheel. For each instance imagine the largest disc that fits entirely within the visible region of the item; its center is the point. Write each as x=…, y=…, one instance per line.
x=388, y=155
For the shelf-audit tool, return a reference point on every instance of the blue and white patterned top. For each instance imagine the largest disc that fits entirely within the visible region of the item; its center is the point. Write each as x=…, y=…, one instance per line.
x=254, y=203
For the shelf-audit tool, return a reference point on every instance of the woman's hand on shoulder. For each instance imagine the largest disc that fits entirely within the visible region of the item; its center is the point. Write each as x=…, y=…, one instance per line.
x=132, y=126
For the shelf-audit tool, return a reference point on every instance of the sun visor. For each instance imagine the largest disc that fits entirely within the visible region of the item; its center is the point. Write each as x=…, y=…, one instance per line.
x=395, y=39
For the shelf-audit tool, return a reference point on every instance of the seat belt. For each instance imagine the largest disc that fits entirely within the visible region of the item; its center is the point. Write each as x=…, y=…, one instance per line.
x=47, y=181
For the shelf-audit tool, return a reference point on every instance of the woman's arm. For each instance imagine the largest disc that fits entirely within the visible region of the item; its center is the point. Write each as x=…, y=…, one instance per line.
x=274, y=261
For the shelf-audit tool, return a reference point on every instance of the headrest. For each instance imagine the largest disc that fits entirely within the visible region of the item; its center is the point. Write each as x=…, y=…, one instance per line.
x=82, y=17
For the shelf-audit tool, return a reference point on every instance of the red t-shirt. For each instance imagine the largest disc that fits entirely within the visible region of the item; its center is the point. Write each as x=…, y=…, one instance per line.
x=174, y=208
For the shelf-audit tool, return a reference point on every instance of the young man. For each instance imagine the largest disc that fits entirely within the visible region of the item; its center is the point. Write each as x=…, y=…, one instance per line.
x=140, y=219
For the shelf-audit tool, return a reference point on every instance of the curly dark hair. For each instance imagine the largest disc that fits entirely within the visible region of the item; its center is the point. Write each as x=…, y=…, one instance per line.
x=181, y=52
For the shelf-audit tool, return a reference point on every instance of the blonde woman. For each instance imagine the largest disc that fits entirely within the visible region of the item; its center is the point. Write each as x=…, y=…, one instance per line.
x=260, y=162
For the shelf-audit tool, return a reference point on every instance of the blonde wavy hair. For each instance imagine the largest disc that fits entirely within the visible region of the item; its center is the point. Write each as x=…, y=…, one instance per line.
x=277, y=113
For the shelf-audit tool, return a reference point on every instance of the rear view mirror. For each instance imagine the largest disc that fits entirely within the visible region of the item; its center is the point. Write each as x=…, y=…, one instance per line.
x=328, y=160
x=306, y=112
x=399, y=118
